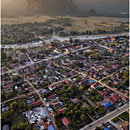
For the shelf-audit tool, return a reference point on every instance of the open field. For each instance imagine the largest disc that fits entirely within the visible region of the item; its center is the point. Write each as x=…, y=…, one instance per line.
x=78, y=23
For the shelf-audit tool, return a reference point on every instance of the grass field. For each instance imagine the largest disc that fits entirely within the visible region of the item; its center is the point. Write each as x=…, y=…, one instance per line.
x=79, y=23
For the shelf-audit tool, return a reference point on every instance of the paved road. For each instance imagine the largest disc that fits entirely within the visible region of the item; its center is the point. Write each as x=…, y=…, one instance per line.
x=104, y=119
x=105, y=47
x=17, y=97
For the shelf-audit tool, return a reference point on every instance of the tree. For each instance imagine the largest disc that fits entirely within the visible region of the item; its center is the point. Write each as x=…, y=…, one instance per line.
x=3, y=96
x=21, y=126
x=81, y=88
x=83, y=117
x=45, y=119
x=14, y=106
x=86, y=54
x=7, y=116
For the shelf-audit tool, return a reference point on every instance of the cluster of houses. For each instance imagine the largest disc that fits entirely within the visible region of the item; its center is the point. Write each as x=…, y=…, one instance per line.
x=40, y=118
x=12, y=83
x=116, y=79
x=49, y=75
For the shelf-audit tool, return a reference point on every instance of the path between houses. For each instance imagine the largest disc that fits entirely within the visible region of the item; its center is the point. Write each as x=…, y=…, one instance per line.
x=17, y=97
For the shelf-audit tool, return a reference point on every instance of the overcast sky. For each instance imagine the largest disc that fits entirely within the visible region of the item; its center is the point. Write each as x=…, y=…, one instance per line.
x=116, y=5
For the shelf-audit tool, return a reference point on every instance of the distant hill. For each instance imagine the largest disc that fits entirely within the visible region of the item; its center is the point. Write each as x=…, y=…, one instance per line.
x=77, y=7
x=43, y=6
x=108, y=5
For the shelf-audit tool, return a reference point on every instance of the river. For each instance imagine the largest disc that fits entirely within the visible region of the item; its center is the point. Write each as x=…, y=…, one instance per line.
x=40, y=43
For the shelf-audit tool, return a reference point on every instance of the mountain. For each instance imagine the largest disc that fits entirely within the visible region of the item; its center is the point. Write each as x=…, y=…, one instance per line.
x=54, y=6
x=67, y=6
x=43, y=6
x=108, y=5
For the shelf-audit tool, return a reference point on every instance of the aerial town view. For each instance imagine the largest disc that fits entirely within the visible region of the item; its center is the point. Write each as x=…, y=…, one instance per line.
x=65, y=65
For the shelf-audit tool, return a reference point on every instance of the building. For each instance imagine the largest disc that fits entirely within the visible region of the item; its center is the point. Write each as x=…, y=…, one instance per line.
x=24, y=58
x=107, y=104
x=66, y=121
x=52, y=87
x=107, y=129
x=36, y=115
x=94, y=86
x=5, y=127
x=51, y=127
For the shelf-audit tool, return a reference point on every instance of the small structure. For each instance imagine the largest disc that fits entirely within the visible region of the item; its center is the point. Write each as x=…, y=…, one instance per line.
x=91, y=81
x=107, y=129
x=66, y=121
x=75, y=100
x=5, y=127
x=51, y=127
x=52, y=87
x=107, y=104
x=24, y=58
x=94, y=86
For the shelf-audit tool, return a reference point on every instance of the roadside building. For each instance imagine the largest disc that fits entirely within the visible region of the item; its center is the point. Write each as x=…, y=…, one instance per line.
x=66, y=121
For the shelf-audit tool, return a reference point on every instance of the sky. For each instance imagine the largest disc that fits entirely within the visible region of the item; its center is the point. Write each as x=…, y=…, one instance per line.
x=109, y=5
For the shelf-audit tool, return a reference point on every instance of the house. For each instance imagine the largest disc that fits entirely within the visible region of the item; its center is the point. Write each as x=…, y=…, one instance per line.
x=106, y=100
x=115, y=97
x=124, y=125
x=94, y=86
x=52, y=87
x=75, y=100
x=57, y=105
x=111, y=50
x=24, y=58
x=66, y=81
x=101, y=93
x=112, y=39
x=61, y=110
x=91, y=81
x=107, y=129
x=52, y=97
x=107, y=104
x=115, y=66
x=116, y=83
x=5, y=127
x=124, y=98
x=66, y=121
x=38, y=103
x=46, y=125
x=51, y=127
x=5, y=109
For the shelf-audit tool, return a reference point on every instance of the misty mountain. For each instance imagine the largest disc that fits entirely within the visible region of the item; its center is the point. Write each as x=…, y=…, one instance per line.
x=108, y=5
x=114, y=5
x=86, y=7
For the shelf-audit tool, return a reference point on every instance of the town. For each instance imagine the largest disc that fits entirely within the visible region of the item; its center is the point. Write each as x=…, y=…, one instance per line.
x=75, y=84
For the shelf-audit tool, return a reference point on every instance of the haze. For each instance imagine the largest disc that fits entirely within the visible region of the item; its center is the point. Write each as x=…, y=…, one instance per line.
x=109, y=5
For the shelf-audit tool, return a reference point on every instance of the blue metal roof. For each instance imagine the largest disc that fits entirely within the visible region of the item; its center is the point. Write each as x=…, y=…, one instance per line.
x=107, y=129
x=91, y=81
x=51, y=127
x=107, y=104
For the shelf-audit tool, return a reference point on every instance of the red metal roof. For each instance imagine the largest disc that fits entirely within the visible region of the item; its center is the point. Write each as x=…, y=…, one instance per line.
x=66, y=121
